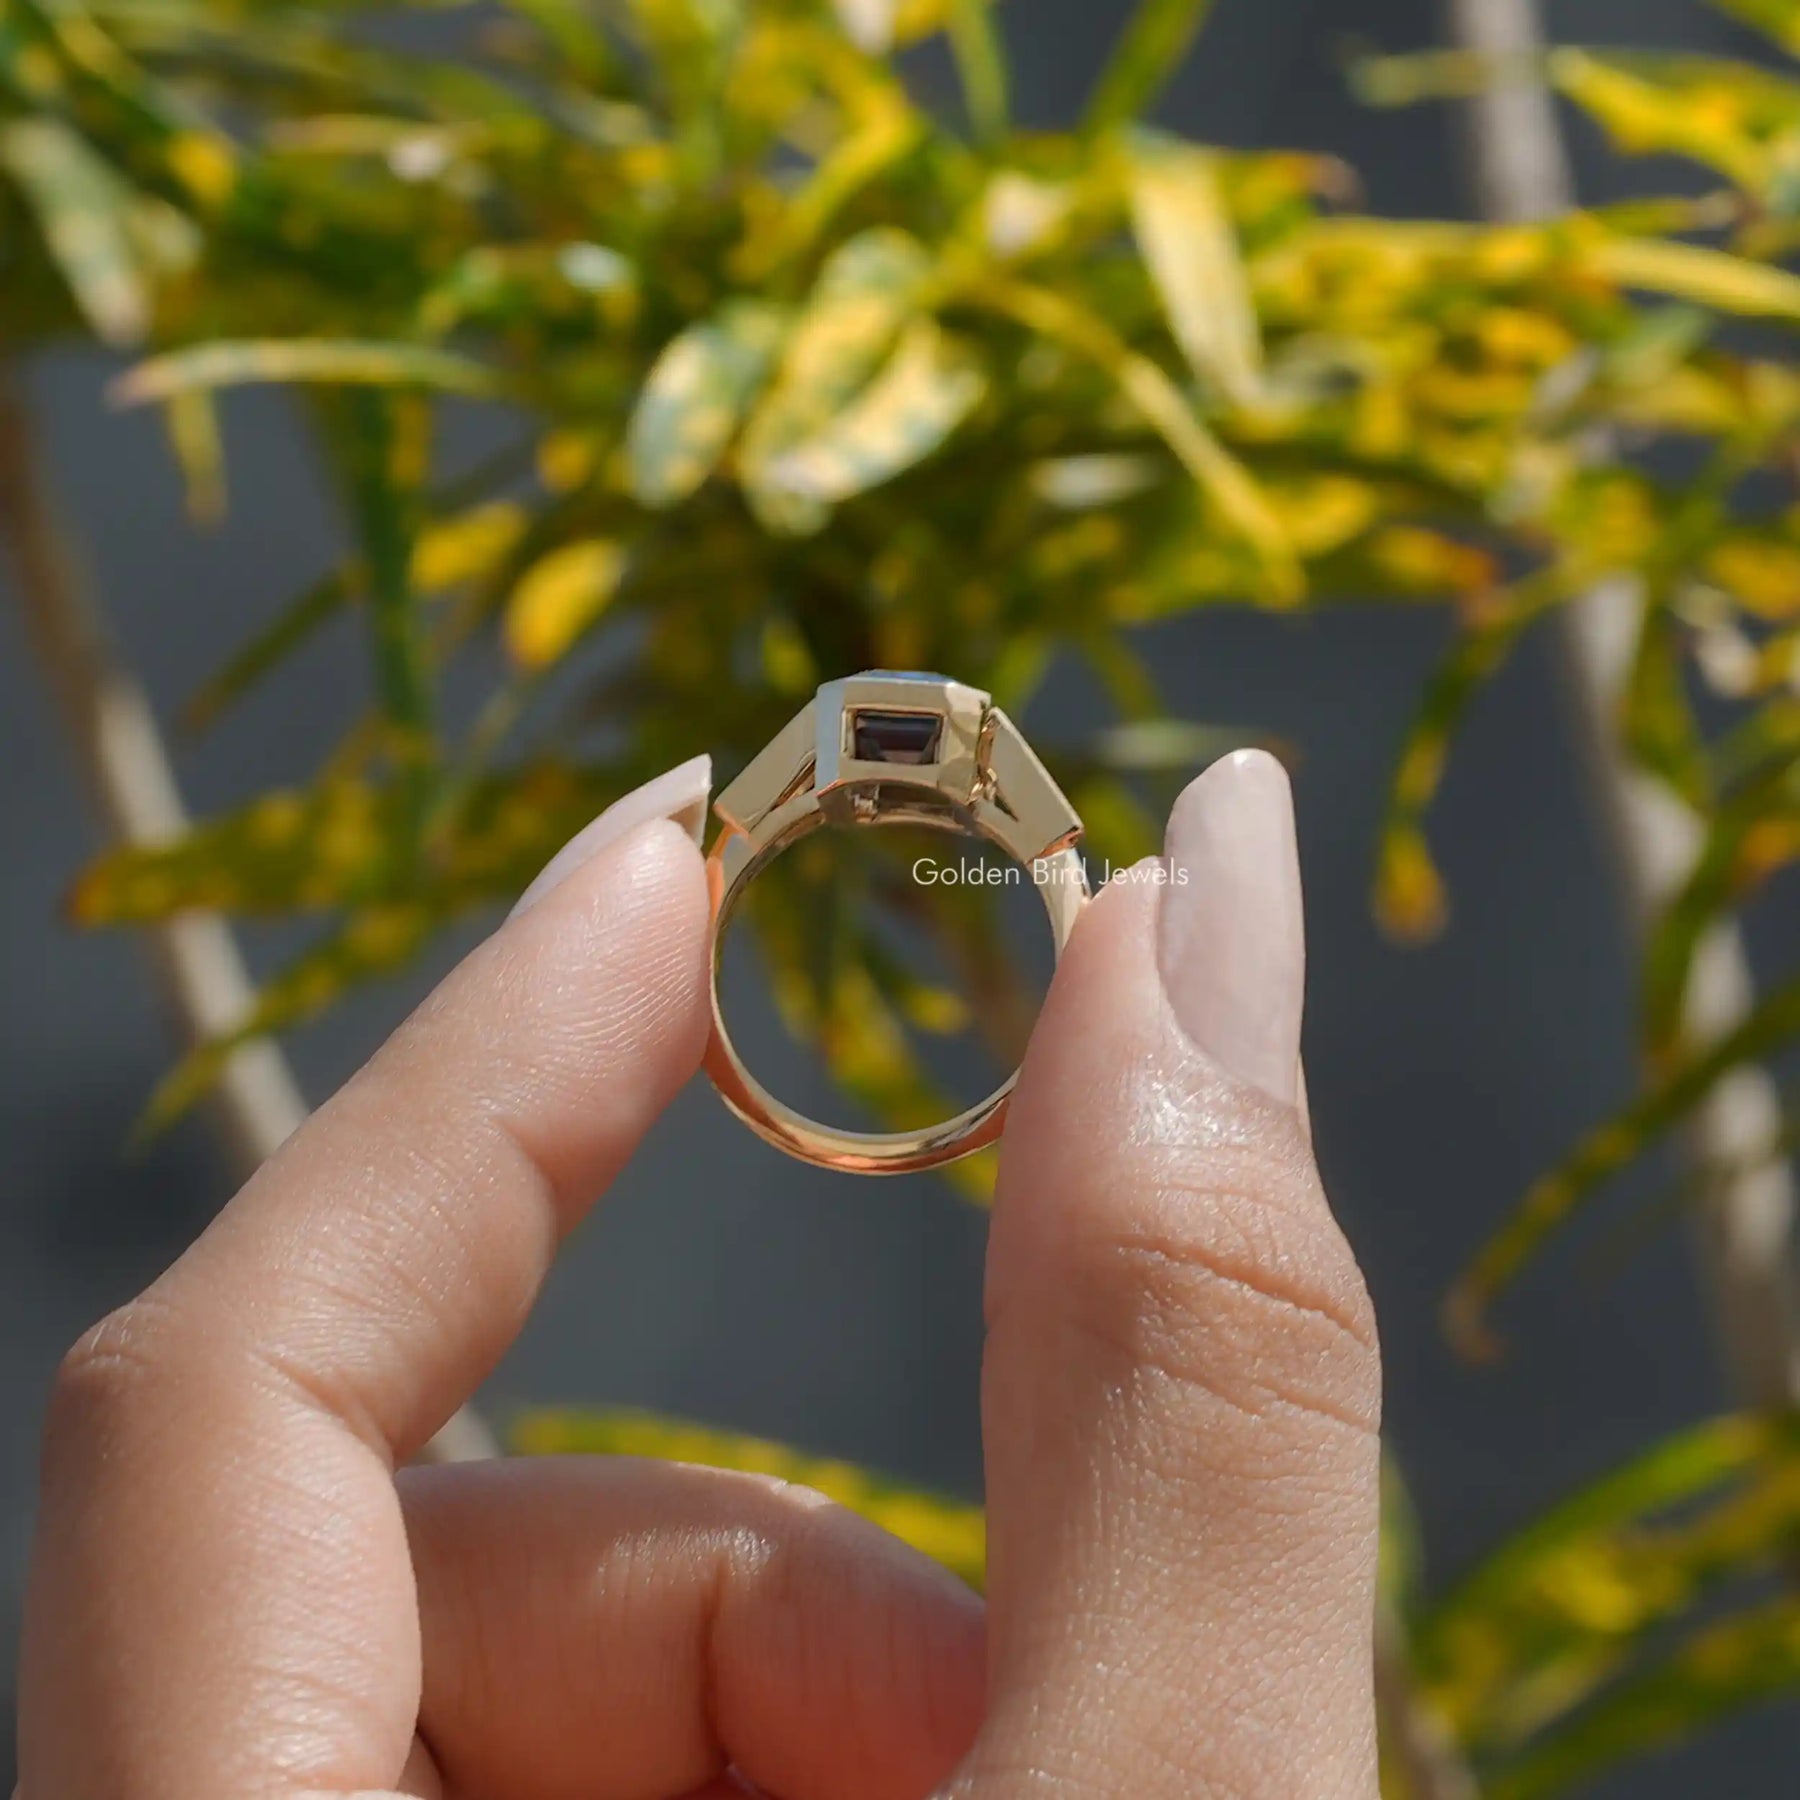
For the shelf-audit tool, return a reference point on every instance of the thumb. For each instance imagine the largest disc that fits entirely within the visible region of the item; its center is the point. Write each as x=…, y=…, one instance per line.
x=1181, y=1388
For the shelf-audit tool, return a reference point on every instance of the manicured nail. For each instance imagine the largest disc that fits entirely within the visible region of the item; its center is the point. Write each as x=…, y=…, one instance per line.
x=1231, y=940
x=680, y=795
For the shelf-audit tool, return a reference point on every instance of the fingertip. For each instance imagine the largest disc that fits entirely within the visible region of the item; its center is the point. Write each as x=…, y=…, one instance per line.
x=679, y=796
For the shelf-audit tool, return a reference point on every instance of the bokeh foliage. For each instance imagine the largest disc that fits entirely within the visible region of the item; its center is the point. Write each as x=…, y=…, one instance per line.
x=792, y=375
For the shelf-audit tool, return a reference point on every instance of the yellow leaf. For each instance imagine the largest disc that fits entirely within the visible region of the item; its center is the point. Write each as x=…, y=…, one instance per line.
x=1762, y=574
x=1648, y=116
x=567, y=460
x=192, y=423
x=558, y=598
x=1714, y=278
x=1321, y=512
x=465, y=547
x=1409, y=898
x=205, y=165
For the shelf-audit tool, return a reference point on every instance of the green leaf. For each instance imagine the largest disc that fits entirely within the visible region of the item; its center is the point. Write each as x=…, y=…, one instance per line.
x=930, y=385
x=1780, y=19
x=695, y=399
x=82, y=207
x=1752, y=834
x=1558, y=1612
x=1457, y=1639
x=1409, y=896
x=449, y=552
x=884, y=141
x=380, y=442
x=374, y=941
x=192, y=423
x=690, y=44
x=287, y=851
x=981, y=62
x=1152, y=47
x=334, y=362
x=1772, y=1023
x=1658, y=726
x=267, y=649
x=580, y=45
x=1191, y=247
x=1743, y=1661
x=951, y=1532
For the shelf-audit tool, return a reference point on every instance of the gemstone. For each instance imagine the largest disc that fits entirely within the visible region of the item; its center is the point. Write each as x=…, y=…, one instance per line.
x=878, y=736
x=903, y=675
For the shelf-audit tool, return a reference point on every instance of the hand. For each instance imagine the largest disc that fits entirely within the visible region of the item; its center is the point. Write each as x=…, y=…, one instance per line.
x=234, y=1596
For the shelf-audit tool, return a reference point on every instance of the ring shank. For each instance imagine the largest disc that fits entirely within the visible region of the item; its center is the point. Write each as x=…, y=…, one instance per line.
x=732, y=865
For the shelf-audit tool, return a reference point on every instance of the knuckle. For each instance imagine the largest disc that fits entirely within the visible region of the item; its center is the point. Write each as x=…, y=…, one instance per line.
x=108, y=1378
x=1233, y=1279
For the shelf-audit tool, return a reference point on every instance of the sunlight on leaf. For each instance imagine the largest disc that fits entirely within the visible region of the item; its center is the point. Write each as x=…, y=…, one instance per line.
x=863, y=296
x=558, y=598
x=303, y=360
x=695, y=399
x=82, y=208
x=1693, y=272
x=1191, y=248
x=928, y=388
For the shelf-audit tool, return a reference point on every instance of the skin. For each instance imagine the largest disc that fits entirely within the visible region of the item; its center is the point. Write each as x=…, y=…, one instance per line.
x=238, y=1592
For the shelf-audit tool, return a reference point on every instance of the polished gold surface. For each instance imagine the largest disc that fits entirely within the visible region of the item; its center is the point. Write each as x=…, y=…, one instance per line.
x=888, y=749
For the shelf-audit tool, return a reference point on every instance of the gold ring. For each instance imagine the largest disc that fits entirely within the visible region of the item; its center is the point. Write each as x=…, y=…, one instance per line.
x=888, y=749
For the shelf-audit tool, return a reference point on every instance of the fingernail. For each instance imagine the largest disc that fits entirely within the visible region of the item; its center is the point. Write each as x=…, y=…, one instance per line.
x=1231, y=939
x=680, y=795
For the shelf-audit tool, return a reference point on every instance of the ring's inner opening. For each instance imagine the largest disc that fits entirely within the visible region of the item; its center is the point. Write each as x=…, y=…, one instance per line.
x=885, y=978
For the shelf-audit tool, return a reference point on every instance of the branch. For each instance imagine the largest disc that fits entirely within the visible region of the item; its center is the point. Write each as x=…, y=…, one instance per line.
x=1747, y=1216
x=128, y=772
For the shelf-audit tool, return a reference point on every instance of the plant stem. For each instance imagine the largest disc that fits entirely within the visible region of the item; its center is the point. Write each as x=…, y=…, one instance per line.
x=1747, y=1215
x=126, y=765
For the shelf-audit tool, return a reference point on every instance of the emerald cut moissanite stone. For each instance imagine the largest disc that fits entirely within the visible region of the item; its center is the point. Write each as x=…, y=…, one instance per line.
x=879, y=736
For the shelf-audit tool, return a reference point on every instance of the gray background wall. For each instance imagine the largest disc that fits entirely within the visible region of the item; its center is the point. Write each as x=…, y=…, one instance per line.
x=728, y=1284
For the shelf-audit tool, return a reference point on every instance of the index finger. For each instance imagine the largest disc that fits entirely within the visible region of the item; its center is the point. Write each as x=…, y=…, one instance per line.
x=221, y=1599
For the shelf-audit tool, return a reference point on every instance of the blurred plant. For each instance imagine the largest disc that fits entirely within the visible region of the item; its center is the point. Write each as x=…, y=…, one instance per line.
x=792, y=375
